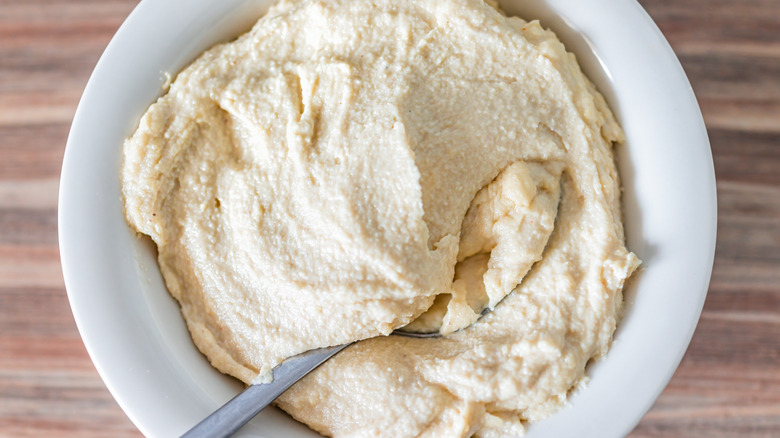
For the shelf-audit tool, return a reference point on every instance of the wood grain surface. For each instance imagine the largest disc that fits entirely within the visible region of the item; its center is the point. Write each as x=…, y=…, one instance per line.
x=728, y=384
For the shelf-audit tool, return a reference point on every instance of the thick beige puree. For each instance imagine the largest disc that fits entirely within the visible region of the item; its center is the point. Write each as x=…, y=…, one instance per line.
x=349, y=167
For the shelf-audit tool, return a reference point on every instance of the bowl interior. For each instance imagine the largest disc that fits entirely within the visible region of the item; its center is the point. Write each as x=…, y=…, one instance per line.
x=133, y=329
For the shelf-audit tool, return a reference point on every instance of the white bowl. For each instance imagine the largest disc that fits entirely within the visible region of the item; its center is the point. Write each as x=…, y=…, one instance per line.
x=133, y=329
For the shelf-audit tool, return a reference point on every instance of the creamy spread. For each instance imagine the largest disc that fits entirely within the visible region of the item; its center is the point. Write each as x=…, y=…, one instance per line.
x=350, y=167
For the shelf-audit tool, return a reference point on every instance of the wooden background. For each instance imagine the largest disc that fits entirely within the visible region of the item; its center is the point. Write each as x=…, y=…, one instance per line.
x=728, y=385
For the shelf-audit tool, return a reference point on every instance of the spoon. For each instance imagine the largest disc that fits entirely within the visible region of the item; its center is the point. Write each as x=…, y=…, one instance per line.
x=226, y=420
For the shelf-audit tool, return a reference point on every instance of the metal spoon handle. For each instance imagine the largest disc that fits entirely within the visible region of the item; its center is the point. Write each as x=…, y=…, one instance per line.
x=226, y=420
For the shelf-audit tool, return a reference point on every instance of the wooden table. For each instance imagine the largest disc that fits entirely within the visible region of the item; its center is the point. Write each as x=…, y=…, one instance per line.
x=728, y=384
